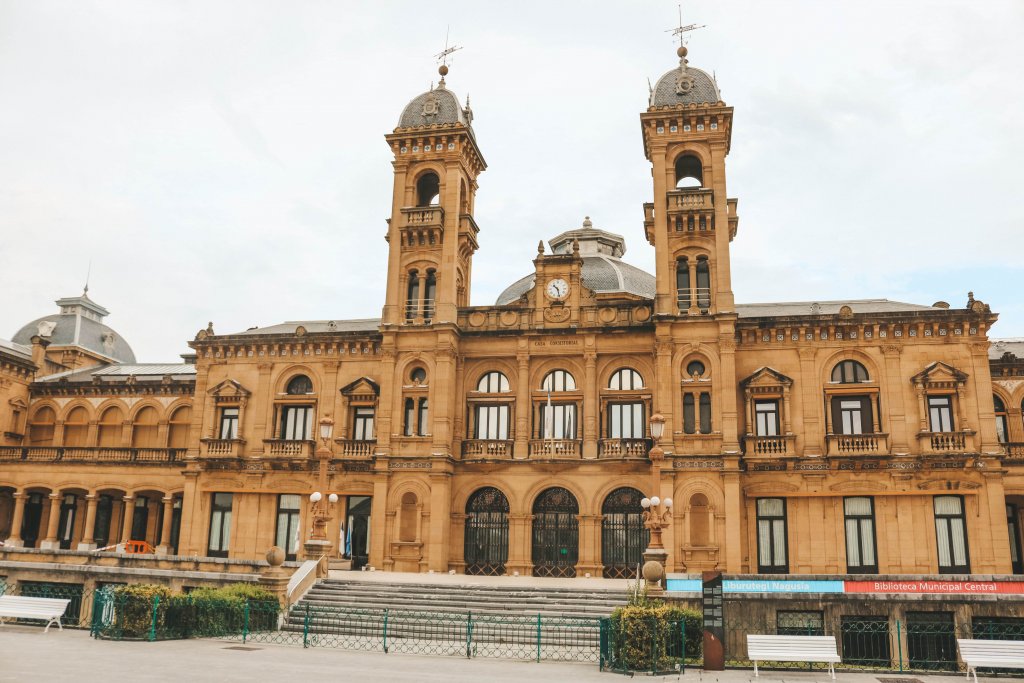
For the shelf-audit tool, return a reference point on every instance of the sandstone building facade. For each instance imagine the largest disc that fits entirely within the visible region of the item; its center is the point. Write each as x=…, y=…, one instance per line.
x=862, y=436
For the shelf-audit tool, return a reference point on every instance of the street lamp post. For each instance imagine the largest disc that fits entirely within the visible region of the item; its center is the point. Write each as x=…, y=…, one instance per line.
x=657, y=512
x=318, y=544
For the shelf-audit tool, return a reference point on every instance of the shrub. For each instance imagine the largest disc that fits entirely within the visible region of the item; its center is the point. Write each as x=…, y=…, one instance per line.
x=646, y=634
x=133, y=609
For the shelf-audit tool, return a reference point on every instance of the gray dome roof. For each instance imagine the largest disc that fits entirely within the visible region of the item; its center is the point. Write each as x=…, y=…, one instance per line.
x=79, y=323
x=437, y=106
x=685, y=85
x=603, y=274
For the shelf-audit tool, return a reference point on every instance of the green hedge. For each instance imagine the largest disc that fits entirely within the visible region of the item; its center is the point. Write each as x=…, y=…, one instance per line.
x=648, y=635
x=151, y=612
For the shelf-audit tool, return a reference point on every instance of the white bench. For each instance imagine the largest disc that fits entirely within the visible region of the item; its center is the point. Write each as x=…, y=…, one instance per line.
x=1003, y=654
x=793, y=649
x=47, y=609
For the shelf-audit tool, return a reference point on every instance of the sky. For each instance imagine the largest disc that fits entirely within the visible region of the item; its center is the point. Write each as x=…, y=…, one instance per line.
x=225, y=161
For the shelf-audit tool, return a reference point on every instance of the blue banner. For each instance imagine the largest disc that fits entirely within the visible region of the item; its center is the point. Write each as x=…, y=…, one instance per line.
x=759, y=586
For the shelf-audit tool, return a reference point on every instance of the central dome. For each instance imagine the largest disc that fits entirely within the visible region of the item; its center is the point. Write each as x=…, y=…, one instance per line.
x=604, y=271
x=436, y=107
x=79, y=323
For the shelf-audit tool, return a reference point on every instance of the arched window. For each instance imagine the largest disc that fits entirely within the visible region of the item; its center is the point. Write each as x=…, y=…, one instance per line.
x=493, y=383
x=418, y=376
x=408, y=518
x=703, y=284
x=299, y=385
x=178, y=426
x=683, y=295
x=555, y=533
x=110, y=429
x=626, y=379
x=486, y=532
x=1001, y=425
x=429, y=294
x=76, y=427
x=689, y=172
x=849, y=372
x=623, y=536
x=558, y=380
x=41, y=427
x=428, y=189
x=412, y=299
x=145, y=428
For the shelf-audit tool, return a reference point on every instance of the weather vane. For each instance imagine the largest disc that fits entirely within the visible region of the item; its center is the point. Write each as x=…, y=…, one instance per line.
x=683, y=29
x=442, y=56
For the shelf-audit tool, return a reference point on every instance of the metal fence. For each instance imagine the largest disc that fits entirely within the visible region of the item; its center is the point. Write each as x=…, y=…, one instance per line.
x=650, y=645
x=79, y=610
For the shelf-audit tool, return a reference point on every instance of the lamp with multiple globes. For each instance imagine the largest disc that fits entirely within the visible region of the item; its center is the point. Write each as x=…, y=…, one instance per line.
x=321, y=510
x=657, y=513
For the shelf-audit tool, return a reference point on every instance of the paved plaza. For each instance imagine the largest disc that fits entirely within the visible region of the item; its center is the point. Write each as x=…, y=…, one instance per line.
x=28, y=655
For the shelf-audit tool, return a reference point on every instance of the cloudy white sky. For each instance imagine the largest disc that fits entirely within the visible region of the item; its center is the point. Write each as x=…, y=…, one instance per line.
x=225, y=161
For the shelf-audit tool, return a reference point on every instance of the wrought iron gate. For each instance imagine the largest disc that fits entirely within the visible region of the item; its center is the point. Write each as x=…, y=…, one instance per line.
x=623, y=536
x=486, y=534
x=556, y=533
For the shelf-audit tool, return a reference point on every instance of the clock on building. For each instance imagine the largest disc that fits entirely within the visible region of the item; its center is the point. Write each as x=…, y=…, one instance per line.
x=557, y=289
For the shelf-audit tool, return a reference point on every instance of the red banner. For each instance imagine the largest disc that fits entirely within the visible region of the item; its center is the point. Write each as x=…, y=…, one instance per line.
x=936, y=586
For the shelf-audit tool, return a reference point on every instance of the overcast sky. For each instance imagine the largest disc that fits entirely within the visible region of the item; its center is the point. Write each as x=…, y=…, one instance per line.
x=225, y=161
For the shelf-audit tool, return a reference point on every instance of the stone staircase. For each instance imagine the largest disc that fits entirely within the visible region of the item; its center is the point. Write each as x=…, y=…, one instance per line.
x=433, y=612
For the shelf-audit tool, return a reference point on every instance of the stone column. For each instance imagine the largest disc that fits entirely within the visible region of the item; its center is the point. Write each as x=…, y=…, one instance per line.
x=88, y=541
x=589, y=561
x=519, y=544
x=127, y=517
x=733, y=514
x=813, y=434
x=590, y=403
x=440, y=520
x=524, y=410
x=378, y=519
x=165, y=532
x=51, y=542
x=14, y=540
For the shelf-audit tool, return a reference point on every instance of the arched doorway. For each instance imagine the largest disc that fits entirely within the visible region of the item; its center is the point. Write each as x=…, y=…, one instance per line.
x=556, y=533
x=623, y=536
x=486, y=537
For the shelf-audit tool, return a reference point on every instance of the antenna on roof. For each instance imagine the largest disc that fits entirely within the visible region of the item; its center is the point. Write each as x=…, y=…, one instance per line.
x=683, y=29
x=443, y=55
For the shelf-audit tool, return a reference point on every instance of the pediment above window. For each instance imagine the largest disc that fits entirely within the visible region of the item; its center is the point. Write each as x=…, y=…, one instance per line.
x=18, y=403
x=229, y=391
x=363, y=389
x=939, y=375
x=766, y=378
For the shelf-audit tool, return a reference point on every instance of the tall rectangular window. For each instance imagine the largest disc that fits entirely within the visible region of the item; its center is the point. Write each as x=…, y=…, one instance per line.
x=409, y=417
x=1016, y=560
x=228, y=423
x=771, y=536
x=951, y=535
x=940, y=413
x=362, y=425
x=705, y=413
x=491, y=422
x=860, y=535
x=626, y=421
x=421, y=420
x=558, y=421
x=851, y=415
x=689, y=414
x=287, y=534
x=766, y=415
x=297, y=423
x=220, y=525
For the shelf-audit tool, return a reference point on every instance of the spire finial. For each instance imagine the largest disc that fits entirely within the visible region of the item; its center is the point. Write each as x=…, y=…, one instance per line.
x=88, y=274
x=443, y=55
x=681, y=32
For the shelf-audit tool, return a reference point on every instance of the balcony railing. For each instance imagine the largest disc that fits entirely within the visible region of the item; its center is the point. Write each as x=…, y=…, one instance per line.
x=944, y=442
x=698, y=298
x=423, y=226
x=857, y=444
x=90, y=454
x=222, y=448
x=689, y=199
x=554, y=448
x=356, y=448
x=768, y=445
x=1014, y=450
x=623, y=448
x=286, y=448
x=486, y=448
x=697, y=444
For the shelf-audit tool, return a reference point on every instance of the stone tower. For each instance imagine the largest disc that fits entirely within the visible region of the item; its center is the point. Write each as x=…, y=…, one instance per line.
x=431, y=232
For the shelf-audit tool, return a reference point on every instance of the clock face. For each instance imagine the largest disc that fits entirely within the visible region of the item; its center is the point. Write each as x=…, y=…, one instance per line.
x=558, y=289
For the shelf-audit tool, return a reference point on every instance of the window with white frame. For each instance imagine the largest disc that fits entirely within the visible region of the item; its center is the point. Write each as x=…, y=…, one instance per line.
x=362, y=424
x=940, y=413
x=766, y=415
x=859, y=516
x=228, y=423
x=626, y=421
x=296, y=423
x=951, y=535
x=491, y=422
x=771, y=536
